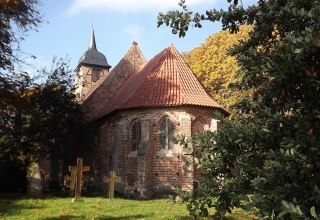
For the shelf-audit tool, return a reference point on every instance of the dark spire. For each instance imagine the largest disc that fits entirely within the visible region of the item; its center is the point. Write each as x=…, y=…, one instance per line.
x=92, y=43
x=92, y=56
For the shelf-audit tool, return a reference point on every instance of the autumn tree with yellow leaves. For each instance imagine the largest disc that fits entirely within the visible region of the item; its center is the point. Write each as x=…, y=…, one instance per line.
x=215, y=68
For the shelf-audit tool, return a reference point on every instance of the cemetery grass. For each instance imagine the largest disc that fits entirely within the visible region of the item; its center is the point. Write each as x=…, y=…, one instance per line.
x=54, y=208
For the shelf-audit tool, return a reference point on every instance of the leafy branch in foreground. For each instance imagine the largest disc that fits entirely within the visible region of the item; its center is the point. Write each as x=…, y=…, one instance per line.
x=180, y=21
x=274, y=143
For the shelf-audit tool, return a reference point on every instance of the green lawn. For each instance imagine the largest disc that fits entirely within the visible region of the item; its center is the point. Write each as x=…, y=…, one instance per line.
x=52, y=208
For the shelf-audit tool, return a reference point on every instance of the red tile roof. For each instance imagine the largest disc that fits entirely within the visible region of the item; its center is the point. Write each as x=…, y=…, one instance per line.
x=165, y=80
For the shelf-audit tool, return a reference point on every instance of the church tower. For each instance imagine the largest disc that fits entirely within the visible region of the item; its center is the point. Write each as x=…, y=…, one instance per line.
x=92, y=68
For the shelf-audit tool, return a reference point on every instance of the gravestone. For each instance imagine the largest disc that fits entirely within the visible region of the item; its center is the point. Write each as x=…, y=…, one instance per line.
x=36, y=183
x=76, y=176
x=111, y=179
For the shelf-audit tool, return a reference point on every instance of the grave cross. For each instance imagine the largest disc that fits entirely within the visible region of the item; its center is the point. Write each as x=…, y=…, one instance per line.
x=77, y=172
x=111, y=179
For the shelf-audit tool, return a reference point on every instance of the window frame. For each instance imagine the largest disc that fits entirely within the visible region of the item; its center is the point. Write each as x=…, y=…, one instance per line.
x=167, y=132
x=135, y=135
x=95, y=75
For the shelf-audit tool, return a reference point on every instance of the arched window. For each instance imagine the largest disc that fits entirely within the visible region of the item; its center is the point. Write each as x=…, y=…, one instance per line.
x=167, y=134
x=135, y=134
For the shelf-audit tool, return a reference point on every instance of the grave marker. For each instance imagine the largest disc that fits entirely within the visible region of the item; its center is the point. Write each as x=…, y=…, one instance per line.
x=111, y=179
x=76, y=178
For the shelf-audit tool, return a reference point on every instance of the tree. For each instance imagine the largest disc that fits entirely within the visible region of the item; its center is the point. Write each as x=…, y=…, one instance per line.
x=36, y=119
x=272, y=149
x=56, y=124
x=214, y=67
x=16, y=17
x=47, y=122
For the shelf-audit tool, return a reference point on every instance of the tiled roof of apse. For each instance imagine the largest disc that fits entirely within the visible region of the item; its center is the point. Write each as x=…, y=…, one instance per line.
x=165, y=80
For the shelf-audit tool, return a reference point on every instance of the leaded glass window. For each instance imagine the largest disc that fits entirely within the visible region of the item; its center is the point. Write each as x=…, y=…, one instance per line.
x=136, y=134
x=167, y=134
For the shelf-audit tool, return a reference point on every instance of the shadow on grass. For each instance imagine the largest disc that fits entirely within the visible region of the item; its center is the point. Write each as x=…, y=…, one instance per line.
x=63, y=217
x=9, y=207
x=67, y=217
x=184, y=218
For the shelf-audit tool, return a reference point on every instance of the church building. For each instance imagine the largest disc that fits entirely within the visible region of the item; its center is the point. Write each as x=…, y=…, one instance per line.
x=138, y=107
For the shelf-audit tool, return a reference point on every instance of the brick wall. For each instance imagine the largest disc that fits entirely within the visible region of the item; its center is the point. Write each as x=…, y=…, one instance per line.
x=151, y=168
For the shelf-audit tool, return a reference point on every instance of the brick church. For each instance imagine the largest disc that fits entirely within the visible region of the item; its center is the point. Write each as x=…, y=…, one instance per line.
x=138, y=107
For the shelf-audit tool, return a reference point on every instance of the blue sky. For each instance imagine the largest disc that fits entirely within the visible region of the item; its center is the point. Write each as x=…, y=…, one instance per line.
x=117, y=23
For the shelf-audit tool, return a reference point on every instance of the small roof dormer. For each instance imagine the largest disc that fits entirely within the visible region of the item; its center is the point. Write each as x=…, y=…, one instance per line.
x=92, y=57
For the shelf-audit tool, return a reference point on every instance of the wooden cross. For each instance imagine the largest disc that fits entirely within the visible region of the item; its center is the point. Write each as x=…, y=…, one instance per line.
x=77, y=172
x=111, y=179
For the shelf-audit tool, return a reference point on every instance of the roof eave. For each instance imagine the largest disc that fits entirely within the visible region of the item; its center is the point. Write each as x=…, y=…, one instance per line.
x=103, y=117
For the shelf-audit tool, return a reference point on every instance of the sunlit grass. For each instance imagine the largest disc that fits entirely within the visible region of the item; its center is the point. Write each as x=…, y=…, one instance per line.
x=51, y=208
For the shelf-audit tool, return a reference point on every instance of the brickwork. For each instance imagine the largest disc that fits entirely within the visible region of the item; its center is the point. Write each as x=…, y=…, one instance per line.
x=166, y=98
x=150, y=167
x=198, y=126
x=85, y=82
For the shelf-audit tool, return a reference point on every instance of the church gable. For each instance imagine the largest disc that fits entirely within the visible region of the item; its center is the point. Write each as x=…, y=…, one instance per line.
x=107, y=87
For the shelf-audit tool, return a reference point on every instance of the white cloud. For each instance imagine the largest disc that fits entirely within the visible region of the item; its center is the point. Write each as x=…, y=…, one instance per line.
x=132, y=5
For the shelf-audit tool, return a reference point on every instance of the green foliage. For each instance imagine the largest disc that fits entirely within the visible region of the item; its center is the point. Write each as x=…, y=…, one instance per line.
x=55, y=123
x=43, y=120
x=274, y=144
x=16, y=17
x=35, y=119
x=13, y=174
x=23, y=16
x=180, y=21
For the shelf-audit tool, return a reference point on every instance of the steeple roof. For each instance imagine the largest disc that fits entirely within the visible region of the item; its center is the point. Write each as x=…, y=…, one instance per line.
x=92, y=56
x=92, y=43
x=165, y=80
